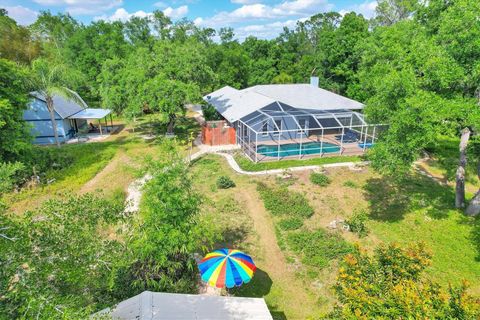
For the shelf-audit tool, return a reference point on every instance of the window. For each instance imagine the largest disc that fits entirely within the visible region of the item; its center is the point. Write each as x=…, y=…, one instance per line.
x=265, y=128
x=303, y=125
x=278, y=123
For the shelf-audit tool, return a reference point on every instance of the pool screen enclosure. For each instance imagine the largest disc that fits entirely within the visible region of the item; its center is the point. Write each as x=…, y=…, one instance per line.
x=277, y=132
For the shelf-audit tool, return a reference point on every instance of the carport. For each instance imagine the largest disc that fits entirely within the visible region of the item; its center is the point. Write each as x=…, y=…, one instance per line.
x=96, y=114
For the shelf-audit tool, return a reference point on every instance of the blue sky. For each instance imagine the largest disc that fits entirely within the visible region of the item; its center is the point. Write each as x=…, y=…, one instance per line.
x=262, y=18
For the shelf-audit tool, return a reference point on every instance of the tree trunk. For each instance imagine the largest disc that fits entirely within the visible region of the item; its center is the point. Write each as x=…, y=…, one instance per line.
x=51, y=110
x=473, y=208
x=460, y=175
x=171, y=124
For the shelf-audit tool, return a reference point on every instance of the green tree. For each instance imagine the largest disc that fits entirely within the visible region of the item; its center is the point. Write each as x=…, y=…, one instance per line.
x=50, y=79
x=162, y=24
x=169, y=97
x=282, y=78
x=138, y=31
x=392, y=11
x=169, y=234
x=17, y=42
x=15, y=139
x=88, y=49
x=54, y=263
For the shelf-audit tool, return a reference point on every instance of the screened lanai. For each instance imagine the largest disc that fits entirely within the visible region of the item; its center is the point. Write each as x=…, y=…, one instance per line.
x=282, y=132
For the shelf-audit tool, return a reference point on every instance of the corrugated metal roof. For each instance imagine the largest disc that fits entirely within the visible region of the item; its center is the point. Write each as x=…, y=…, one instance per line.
x=235, y=104
x=63, y=106
x=170, y=306
x=90, y=113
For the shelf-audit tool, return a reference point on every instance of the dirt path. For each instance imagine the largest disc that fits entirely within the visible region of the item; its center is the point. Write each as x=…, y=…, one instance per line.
x=293, y=295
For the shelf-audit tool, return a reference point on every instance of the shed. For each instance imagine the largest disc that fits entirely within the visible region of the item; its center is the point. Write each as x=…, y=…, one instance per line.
x=70, y=117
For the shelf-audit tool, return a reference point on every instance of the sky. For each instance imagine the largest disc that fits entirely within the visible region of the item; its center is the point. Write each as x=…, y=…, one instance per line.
x=262, y=18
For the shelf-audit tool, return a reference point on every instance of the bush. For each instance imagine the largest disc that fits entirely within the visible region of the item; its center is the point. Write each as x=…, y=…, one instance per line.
x=388, y=285
x=318, y=247
x=350, y=184
x=224, y=182
x=357, y=223
x=10, y=175
x=319, y=179
x=281, y=201
x=210, y=113
x=290, y=224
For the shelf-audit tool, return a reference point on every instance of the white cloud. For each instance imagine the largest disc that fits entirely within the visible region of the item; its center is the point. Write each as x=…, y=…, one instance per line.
x=265, y=31
x=22, y=15
x=122, y=15
x=367, y=9
x=258, y=11
x=83, y=7
x=176, y=13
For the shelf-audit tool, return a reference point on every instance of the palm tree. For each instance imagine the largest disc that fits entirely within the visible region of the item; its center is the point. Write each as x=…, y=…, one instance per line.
x=49, y=79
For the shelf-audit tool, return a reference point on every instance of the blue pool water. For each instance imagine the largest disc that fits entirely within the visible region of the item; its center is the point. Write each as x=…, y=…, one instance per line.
x=293, y=149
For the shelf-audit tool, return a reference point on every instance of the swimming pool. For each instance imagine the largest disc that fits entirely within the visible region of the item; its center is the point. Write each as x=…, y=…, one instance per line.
x=293, y=149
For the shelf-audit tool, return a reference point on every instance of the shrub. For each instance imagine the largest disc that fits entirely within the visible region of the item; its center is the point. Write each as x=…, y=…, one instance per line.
x=290, y=223
x=9, y=175
x=389, y=285
x=319, y=179
x=318, y=247
x=357, y=223
x=210, y=113
x=224, y=182
x=281, y=201
x=350, y=184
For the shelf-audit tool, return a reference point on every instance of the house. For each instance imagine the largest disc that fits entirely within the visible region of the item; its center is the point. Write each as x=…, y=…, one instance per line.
x=169, y=306
x=273, y=122
x=71, y=116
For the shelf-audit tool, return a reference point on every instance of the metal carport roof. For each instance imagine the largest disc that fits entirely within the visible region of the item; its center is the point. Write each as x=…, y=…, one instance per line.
x=170, y=306
x=91, y=113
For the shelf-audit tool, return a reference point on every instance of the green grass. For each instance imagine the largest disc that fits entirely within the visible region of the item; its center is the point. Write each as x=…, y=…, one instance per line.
x=248, y=165
x=419, y=209
x=282, y=201
x=317, y=248
x=445, y=159
x=86, y=161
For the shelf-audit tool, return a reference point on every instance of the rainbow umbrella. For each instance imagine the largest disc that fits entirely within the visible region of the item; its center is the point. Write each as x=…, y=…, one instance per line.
x=226, y=268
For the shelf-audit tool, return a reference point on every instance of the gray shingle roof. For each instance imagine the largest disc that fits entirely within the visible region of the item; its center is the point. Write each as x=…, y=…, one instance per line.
x=63, y=106
x=235, y=104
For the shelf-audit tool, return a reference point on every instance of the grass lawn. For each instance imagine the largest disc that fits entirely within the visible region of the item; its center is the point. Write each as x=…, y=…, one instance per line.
x=293, y=275
x=108, y=166
x=248, y=165
x=444, y=163
x=417, y=209
x=242, y=222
